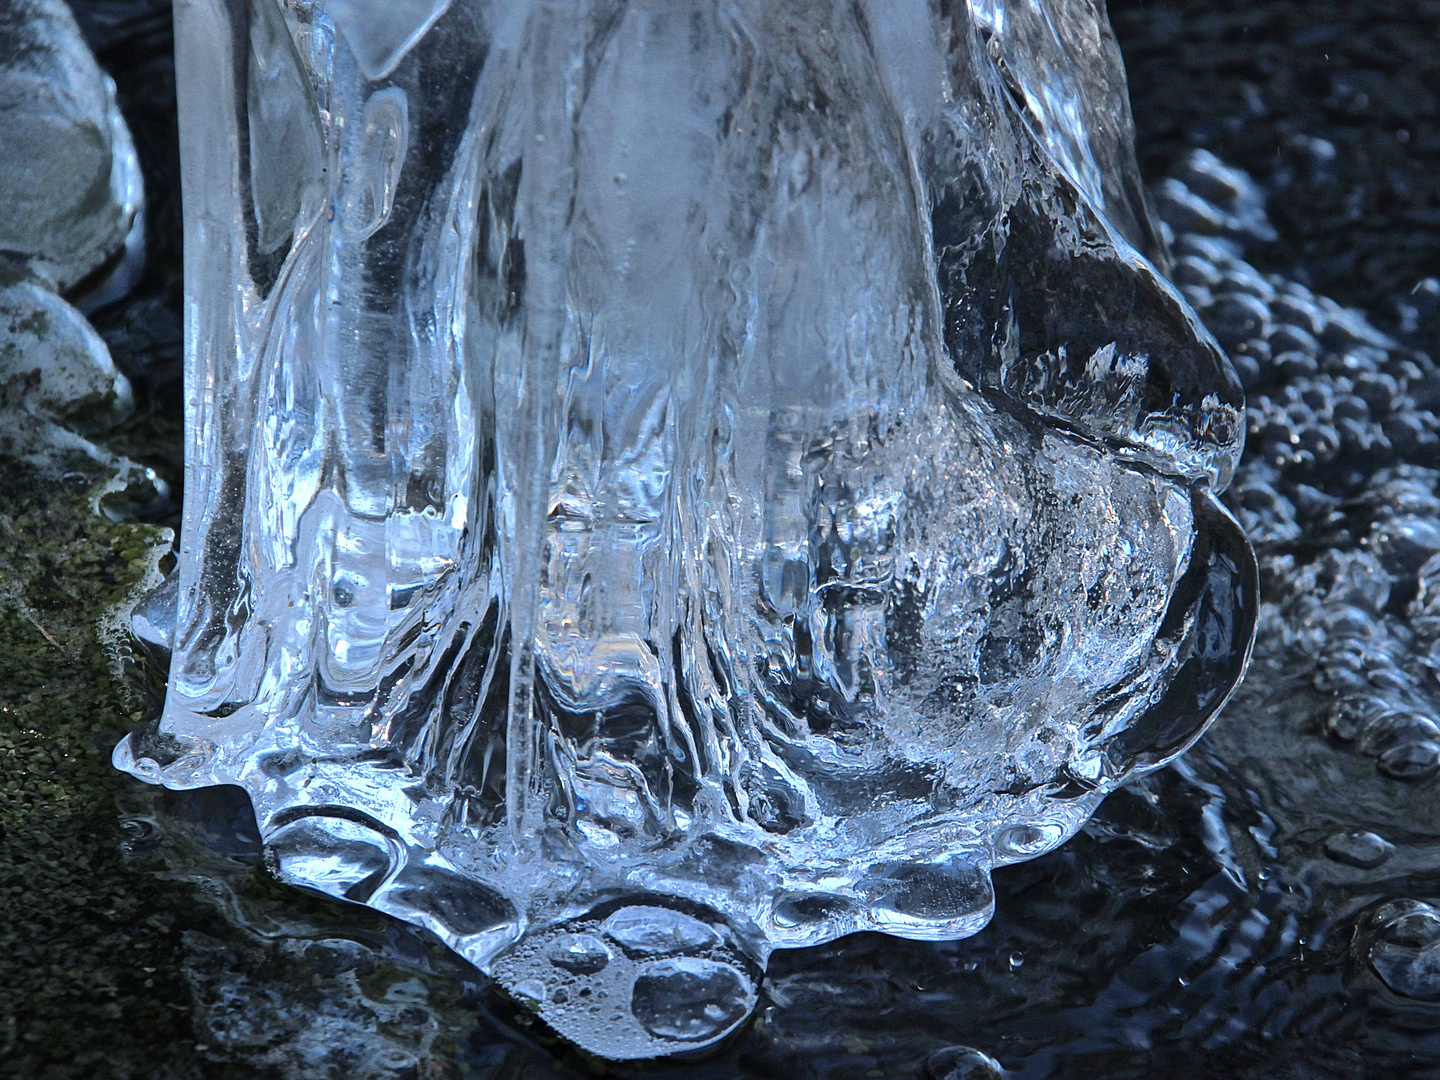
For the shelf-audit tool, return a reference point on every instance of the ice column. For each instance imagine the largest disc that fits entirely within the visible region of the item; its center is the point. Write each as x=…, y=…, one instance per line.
x=667, y=482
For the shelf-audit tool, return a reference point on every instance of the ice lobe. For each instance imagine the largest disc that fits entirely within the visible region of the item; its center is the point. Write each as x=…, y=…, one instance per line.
x=667, y=485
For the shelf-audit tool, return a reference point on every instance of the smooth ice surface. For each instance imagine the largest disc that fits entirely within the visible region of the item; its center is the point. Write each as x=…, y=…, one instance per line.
x=665, y=485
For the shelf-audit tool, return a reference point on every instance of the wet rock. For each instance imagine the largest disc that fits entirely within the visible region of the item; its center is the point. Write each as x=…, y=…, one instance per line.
x=1352, y=407
x=1206, y=196
x=53, y=368
x=1216, y=250
x=1293, y=365
x=1417, y=760
x=1248, y=369
x=1258, y=348
x=1405, y=543
x=1417, y=311
x=69, y=178
x=1198, y=296
x=1194, y=270
x=1346, y=328
x=1237, y=317
x=1300, y=312
x=59, y=393
x=1378, y=390
x=1239, y=276
x=1285, y=338
x=1185, y=211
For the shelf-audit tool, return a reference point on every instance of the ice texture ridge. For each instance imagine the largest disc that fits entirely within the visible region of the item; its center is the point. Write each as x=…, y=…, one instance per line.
x=667, y=482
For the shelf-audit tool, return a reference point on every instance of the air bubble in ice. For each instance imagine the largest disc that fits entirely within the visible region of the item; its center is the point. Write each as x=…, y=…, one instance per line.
x=1027, y=841
x=381, y=32
x=532, y=990
x=579, y=954
x=690, y=1000
x=651, y=931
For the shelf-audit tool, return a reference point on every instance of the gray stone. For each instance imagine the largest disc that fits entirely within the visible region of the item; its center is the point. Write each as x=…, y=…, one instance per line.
x=57, y=381
x=69, y=178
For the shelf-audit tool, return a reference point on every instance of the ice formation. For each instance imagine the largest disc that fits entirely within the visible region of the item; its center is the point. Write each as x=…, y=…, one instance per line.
x=670, y=482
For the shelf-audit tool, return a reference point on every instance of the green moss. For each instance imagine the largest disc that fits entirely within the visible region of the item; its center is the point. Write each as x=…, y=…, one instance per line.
x=162, y=953
x=90, y=978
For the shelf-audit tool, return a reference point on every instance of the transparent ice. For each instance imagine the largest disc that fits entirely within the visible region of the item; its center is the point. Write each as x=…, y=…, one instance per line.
x=669, y=482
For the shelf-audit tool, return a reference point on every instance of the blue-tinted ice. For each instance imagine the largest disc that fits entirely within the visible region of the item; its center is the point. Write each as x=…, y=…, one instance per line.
x=670, y=482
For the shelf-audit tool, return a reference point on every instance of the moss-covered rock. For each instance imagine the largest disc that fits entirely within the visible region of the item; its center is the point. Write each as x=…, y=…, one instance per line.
x=90, y=978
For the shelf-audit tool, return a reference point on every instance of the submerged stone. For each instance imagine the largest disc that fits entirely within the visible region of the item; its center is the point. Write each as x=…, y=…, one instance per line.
x=1360, y=849
x=962, y=1063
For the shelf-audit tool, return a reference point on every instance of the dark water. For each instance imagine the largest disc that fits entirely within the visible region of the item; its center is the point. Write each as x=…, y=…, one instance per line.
x=1259, y=910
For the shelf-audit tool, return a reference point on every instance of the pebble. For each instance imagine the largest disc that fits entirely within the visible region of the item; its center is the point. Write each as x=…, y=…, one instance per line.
x=1236, y=317
x=1404, y=543
x=1378, y=390
x=1299, y=312
x=1193, y=270
x=1288, y=338
x=1411, y=760
x=1241, y=277
x=1293, y=365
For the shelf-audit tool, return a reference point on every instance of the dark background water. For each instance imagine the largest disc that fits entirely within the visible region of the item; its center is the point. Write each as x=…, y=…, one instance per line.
x=1196, y=928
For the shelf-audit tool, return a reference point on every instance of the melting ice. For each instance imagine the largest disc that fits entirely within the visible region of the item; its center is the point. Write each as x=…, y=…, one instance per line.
x=670, y=482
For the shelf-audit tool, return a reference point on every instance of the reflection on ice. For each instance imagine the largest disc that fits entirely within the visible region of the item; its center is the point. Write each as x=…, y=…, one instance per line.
x=667, y=487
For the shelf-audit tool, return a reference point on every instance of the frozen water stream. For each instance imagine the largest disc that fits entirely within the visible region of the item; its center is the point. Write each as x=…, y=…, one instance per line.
x=679, y=486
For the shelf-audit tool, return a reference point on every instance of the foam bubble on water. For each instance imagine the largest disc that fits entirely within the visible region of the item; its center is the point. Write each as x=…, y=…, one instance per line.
x=1364, y=850
x=1404, y=948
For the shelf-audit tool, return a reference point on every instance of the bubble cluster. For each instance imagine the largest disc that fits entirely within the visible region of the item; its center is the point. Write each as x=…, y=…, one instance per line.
x=1338, y=486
